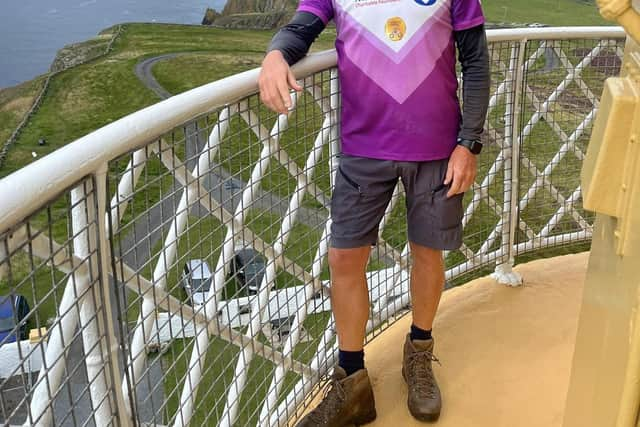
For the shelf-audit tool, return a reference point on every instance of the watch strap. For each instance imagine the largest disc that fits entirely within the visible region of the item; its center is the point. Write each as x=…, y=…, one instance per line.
x=474, y=146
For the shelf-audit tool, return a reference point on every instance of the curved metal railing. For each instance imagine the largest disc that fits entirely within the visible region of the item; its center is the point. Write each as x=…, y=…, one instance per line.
x=99, y=236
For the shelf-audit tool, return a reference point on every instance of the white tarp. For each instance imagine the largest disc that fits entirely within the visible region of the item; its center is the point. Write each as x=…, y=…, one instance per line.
x=12, y=356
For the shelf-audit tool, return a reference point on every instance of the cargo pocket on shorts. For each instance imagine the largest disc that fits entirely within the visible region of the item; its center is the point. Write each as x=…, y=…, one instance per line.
x=350, y=182
x=446, y=212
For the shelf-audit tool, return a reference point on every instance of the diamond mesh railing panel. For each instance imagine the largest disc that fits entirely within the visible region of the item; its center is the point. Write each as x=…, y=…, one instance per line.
x=562, y=83
x=237, y=186
x=50, y=278
x=208, y=248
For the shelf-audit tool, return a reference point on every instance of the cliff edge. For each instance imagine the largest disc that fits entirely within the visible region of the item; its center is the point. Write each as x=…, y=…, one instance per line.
x=253, y=14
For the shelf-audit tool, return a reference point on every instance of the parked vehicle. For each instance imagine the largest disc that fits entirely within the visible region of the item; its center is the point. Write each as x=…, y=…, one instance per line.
x=249, y=267
x=196, y=280
x=13, y=318
x=282, y=327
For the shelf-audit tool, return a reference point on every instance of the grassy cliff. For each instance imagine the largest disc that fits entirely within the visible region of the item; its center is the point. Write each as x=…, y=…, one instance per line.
x=86, y=97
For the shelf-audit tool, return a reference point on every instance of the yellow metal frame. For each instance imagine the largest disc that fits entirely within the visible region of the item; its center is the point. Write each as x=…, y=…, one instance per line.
x=605, y=381
x=622, y=12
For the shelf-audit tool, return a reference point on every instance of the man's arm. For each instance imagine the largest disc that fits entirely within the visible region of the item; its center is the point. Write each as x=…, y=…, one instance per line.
x=288, y=46
x=474, y=57
x=295, y=38
x=476, y=78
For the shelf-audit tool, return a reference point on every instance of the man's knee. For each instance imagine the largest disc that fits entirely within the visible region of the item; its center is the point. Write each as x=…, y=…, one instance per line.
x=348, y=262
x=424, y=254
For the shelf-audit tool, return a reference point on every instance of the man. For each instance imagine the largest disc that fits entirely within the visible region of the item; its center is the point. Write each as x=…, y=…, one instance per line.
x=400, y=119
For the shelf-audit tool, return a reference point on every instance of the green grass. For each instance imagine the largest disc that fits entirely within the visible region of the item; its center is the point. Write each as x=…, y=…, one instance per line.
x=188, y=71
x=15, y=102
x=550, y=12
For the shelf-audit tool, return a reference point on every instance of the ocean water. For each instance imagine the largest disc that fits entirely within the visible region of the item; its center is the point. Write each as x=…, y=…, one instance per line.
x=32, y=31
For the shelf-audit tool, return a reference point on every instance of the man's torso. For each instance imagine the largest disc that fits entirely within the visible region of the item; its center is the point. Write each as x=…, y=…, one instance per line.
x=396, y=61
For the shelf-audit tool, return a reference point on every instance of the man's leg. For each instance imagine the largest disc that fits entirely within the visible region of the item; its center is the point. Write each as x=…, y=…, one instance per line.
x=361, y=194
x=349, y=295
x=434, y=224
x=350, y=400
x=427, y=283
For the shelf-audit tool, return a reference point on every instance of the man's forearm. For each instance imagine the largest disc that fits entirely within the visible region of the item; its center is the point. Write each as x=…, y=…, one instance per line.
x=295, y=38
x=476, y=79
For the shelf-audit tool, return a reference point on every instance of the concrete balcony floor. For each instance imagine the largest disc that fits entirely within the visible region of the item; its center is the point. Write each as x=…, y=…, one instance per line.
x=506, y=352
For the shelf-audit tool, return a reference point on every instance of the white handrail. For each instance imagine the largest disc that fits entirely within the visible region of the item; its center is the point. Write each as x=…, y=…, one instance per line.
x=554, y=33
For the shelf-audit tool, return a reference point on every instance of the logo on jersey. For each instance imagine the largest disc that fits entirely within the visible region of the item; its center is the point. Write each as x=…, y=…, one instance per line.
x=395, y=28
x=426, y=2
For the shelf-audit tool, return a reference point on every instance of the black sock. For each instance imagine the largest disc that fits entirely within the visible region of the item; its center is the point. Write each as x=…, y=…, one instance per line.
x=351, y=361
x=420, y=334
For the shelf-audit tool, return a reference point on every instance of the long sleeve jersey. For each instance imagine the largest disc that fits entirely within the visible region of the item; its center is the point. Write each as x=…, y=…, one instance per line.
x=396, y=62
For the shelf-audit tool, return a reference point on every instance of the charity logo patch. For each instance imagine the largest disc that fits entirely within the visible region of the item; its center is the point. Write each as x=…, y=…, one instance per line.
x=395, y=28
x=426, y=2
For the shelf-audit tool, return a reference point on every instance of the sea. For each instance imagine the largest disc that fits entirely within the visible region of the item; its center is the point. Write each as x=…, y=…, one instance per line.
x=32, y=31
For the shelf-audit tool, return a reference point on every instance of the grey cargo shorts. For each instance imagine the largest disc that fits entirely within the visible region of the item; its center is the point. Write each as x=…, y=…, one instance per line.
x=364, y=187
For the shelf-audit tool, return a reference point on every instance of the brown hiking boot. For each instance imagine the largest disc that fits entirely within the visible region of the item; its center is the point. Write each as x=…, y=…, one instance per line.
x=424, y=399
x=348, y=401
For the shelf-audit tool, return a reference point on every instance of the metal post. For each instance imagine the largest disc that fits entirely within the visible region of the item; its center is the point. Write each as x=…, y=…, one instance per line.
x=91, y=323
x=504, y=273
x=202, y=339
x=277, y=381
x=4, y=258
x=334, y=143
x=126, y=186
x=76, y=298
x=110, y=353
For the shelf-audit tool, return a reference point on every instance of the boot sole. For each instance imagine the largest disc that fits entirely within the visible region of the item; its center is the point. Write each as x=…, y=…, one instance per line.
x=427, y=418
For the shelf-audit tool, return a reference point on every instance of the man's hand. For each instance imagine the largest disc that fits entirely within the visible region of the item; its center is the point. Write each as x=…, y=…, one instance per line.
x=275, y=80
x=461, y=171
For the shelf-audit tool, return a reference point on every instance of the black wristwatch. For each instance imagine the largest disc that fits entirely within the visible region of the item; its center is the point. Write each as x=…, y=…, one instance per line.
x=474, y=146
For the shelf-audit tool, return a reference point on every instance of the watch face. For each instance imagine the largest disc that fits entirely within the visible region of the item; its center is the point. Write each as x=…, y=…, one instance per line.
x=476, y=147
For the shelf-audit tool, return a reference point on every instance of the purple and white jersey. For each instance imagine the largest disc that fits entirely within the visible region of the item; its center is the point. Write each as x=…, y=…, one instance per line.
x=396, y=61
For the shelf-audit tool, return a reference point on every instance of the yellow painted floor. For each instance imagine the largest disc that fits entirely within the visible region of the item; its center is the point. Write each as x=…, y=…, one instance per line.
x=505, y=352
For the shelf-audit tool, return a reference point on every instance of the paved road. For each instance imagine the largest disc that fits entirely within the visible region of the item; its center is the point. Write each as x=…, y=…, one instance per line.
x=144, y=72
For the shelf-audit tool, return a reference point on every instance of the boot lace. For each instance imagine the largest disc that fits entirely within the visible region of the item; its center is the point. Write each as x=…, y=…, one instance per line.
x=333, y=398
x=421, y=373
